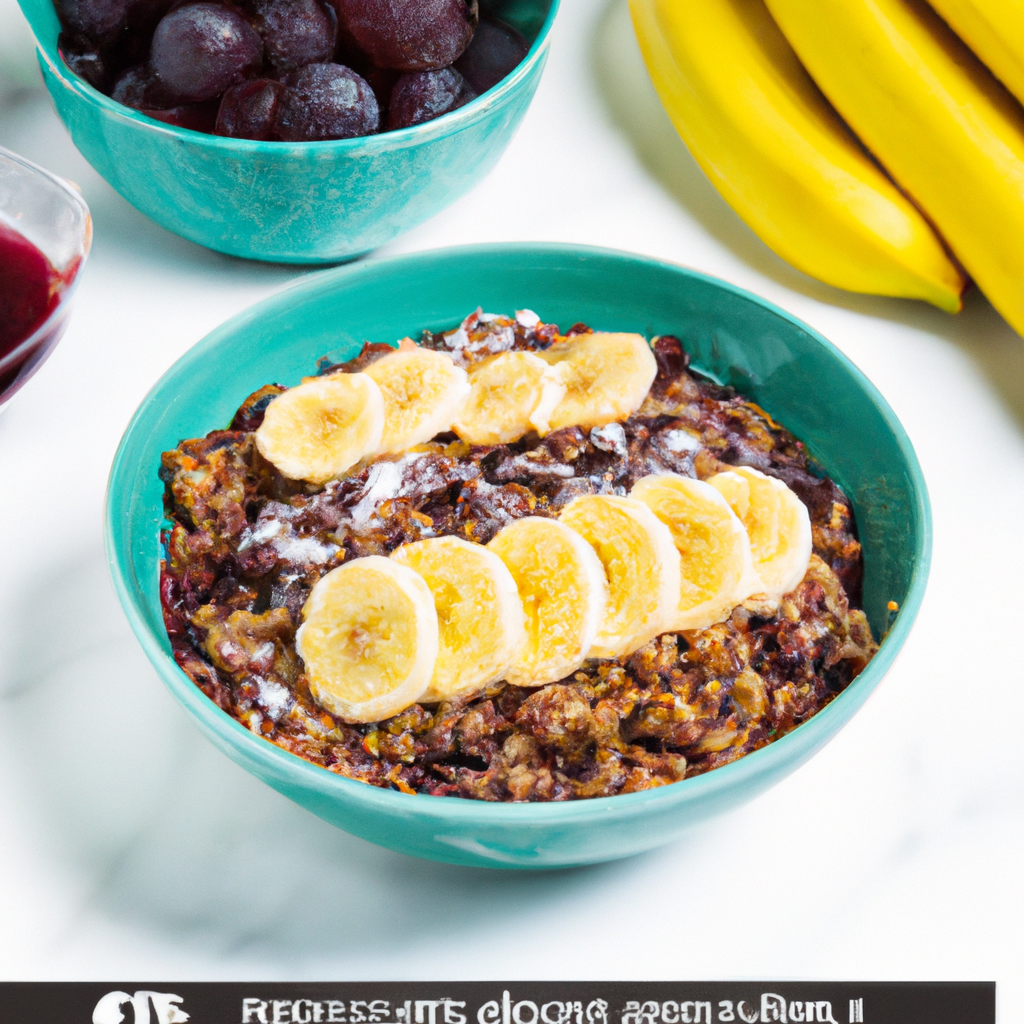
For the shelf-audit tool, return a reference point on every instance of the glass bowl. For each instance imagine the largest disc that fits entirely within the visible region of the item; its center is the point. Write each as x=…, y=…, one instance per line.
x=48, y=212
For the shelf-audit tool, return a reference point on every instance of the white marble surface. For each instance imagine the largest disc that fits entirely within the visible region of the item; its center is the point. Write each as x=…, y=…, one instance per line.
x=130, y=848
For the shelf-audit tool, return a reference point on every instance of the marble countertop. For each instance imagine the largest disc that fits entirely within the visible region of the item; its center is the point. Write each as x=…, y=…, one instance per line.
x=130, y=848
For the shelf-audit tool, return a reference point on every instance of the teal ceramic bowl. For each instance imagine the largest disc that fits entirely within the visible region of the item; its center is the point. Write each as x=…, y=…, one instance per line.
x=734, y=337
x=307, y=202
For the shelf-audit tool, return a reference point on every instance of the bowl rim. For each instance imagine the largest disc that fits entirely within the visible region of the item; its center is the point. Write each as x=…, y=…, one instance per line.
x=794, y=747
x=399, y=138
x=11, y=358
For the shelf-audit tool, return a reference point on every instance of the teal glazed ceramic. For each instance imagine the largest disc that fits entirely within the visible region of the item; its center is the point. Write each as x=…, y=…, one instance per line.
x=733, y=337
x=307, y=202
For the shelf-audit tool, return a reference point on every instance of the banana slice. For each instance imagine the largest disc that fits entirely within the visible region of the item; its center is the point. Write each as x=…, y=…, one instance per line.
x=479, y=614
x=607, y=377
x=369, y=639
x=777, y=523
x=321, y=428
x=717, y=571
x=641, y=564
x=512, y=394
x=563, y=590
x=423, y=393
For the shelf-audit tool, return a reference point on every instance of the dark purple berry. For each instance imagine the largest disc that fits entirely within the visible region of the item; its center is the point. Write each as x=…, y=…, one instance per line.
x=424, y=95
x=85, y=60
x=202, y=49
x=326, y=101
x=112, y=25
x=295, y=32
x=97, y=20
x=496, y=50
x=140, y=89
x=200, y=117
x=249, y=110
x=410, y=35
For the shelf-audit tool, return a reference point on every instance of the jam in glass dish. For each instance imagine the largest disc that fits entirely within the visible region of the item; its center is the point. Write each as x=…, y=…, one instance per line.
x=45, y=233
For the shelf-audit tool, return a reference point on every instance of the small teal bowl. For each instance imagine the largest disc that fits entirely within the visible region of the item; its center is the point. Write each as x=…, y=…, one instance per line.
x=305, y=202
x=733, y=336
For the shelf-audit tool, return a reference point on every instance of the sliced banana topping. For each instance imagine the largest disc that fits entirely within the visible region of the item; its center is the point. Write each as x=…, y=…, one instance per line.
x=717, y=571
x=777, y=522
x=423, y=393
x=607, y=377
x=512, y=394
x=369, y=639
x=563, y=591
x=641, y=564
x=479, y=614
x=321, y=428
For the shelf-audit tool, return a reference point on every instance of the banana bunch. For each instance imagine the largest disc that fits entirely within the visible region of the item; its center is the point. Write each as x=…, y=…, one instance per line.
x=326, y=425
x=788, y=104
x=445, y=617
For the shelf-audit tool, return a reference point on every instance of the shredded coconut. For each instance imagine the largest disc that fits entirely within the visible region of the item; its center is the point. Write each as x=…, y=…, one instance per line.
x=458, y=339
x=265, y=531
x=273, y=696
x=680, y=441
x=385, y=481
x=609, y=438
x=304, y=550
x=287, y=543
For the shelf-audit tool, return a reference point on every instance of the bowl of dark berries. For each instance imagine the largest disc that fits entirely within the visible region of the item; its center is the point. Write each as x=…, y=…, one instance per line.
x=298, y=131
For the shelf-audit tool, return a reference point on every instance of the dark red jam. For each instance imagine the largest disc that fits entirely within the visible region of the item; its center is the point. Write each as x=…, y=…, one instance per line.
x=29, y=288
x=30, y=292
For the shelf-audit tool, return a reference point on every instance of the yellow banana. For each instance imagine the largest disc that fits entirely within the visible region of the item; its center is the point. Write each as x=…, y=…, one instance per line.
x=777, y=523
x=479, y=614
x=606, y=376
x=563, y=590
x=641, y=565
x=944, y=128
x=423, y=391
x=994, y=30
x=510, y=394
x=369, y=639
x=775, y=149
x=322, y=427
x=716, y=562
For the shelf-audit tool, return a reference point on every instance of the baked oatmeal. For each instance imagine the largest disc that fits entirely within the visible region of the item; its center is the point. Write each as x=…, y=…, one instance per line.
x=246, y=546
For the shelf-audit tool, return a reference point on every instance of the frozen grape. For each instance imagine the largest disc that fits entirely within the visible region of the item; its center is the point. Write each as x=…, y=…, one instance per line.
x=200, y=117
x=98, y=20
x=85, y=60
x=140, y=89
x=295, y=32
x=496, y=49
x=113, y=32
x=249, y=110
x=202, y=49
x=410, y=35
x=291, y=70
x=423, y=95
x=326, y=101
